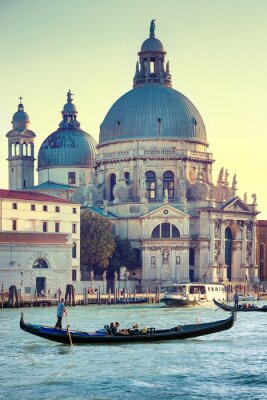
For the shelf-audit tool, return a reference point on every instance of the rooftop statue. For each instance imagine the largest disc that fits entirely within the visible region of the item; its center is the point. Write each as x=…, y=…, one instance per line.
x=69, y=94
x=152, y=28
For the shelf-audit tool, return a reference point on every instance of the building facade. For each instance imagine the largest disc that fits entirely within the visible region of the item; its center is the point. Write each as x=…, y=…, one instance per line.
x=152, y=174
x=39, y=241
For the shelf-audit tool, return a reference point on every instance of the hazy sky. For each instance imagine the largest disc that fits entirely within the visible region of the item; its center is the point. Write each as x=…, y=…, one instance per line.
x=218, y=59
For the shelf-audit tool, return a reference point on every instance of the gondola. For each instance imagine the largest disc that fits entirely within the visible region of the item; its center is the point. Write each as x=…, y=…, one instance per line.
x=67, y=336
x=240, y=307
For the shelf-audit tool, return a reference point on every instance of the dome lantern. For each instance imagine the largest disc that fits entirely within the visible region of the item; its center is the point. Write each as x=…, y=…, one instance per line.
x=69, y=114
x=150, y=68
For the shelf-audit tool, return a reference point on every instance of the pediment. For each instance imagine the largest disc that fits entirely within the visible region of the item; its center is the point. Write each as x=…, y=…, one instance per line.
x=236, y=205
x=165, y=211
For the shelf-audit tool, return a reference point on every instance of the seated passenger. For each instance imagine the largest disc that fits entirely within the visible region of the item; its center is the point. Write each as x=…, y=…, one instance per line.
x=144, y=330
x=136, y=327
x=117, y=327
x=112, y=328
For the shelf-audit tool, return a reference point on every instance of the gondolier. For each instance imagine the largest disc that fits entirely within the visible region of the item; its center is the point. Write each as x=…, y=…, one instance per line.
x=236, y=299
x=61, y=310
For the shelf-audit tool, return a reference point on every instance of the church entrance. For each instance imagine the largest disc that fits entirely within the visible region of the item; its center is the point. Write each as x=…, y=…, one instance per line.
x=40, y=285
x=228, y=252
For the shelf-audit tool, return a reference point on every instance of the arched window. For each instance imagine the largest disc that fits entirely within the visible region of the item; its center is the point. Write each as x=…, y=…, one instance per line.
x=17, y=152
x=168, y=183
x=156, y=232
x=165, y=231
x=24, y=149
x=151, y=185
x=175, y=232
x=112, y=183
x=40, y=263
x=74, y=250
x=13, y=150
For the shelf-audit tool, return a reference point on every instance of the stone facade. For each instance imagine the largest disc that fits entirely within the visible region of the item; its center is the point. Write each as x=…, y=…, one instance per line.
x=39, y=241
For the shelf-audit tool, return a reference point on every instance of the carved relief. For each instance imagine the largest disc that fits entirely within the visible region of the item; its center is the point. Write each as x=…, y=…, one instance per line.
x=249, y=231
x=178, y=260
x=217, y=228
x=165, y=256
x=248, y=252
x=217, y=252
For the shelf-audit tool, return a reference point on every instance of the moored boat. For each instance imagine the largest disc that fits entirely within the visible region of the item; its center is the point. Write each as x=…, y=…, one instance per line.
x=67, y=336
x=241, y=307
x=189, y=294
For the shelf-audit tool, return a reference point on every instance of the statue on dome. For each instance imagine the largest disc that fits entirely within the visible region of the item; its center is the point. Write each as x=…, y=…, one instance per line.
x=152, y=28
x=245, y=197
x=69, y=94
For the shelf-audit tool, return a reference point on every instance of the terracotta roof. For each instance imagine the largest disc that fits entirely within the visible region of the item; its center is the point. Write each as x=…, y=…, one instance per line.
x=25, y=195
x=262, y=222
x=33, y=238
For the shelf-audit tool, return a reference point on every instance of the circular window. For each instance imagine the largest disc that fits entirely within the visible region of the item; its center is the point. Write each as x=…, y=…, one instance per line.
x=165, y=212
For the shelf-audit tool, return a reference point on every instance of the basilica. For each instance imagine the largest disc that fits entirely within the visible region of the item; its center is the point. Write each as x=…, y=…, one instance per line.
x=151, y=175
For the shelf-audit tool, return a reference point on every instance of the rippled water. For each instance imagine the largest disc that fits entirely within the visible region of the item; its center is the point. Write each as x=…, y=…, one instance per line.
x=230, y=364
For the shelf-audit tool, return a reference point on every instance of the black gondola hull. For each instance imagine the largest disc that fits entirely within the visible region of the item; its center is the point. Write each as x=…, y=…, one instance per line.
x=228, y=308
x=77, y=337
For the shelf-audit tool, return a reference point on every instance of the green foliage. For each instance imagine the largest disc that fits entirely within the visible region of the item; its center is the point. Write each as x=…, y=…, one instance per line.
x=97, y=241
x=123, y=256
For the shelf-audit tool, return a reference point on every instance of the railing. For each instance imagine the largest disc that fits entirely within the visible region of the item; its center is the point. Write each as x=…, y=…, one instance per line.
x=155, y=153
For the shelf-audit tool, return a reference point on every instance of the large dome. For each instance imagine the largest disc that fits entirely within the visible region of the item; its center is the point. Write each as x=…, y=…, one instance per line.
x=152, y=111
x=67, y=147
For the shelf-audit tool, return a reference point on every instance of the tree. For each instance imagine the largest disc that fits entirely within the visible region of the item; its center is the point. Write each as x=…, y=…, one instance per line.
x=123, y=256
x=97, y=241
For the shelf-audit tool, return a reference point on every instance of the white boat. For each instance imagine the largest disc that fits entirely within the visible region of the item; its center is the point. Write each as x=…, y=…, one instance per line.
x=186, y=294
x=244, y=297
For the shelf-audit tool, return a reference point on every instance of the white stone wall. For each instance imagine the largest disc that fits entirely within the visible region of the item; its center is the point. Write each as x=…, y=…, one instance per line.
x=30, y=221
x=61, y=174
x=20, y=271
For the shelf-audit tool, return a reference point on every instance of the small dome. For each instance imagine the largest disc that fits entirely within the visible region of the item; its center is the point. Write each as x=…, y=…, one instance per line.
x=67, y=147
x=152, y=112
x=152, y=44
x=20, y=116
x=69, y=108
x=20, y=119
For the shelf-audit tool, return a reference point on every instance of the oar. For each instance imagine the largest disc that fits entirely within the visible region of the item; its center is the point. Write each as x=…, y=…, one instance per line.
x=68, y=329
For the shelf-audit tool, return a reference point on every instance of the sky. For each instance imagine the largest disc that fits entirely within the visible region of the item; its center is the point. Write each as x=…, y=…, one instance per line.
x=218, y=59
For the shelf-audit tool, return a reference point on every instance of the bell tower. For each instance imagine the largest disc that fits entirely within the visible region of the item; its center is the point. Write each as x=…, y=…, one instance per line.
x=20, y=151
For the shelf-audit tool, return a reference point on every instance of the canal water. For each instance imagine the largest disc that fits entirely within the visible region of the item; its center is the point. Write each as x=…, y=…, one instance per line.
x=227, y=365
